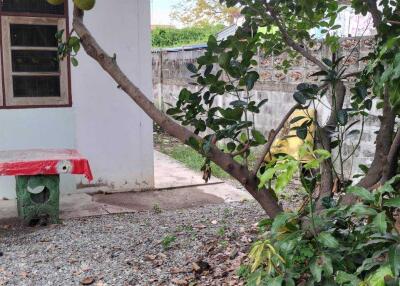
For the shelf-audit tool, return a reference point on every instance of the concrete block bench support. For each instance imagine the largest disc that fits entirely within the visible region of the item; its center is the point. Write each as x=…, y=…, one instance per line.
x=37, y=174
x=38, y=197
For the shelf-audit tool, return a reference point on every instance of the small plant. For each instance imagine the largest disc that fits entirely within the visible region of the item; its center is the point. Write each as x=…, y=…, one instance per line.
x=227, y=212
x=156, y=208
x=167, y=241
x=223, y=243
x=243, y=271
x=221, y=231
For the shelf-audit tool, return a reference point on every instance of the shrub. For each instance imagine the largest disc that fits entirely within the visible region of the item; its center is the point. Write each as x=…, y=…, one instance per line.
x=173, y=37
x=357, y=244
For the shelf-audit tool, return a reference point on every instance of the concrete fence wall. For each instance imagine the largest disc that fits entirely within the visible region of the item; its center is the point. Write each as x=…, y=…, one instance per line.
x=170, y=76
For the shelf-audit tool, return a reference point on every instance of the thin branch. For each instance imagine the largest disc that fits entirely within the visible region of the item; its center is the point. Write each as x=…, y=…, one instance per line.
x=245, y=148
x=272, y=137
x=290, y=42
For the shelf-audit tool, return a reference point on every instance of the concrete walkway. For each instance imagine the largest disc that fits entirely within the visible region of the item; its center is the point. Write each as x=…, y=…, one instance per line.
x=176, y=187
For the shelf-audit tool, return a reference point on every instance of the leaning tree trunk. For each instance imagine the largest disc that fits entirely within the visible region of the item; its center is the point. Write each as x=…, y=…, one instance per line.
x=224, y=160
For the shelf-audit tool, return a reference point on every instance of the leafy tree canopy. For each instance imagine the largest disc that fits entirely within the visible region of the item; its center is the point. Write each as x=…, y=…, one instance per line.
x=204, y=13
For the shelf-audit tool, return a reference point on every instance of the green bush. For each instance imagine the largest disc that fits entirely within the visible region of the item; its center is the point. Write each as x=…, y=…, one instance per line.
x=173, y=37
x=343, y=245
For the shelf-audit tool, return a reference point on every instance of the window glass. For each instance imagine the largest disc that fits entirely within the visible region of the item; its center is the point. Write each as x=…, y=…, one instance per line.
x=31, y=6
x=33, y=35
x=34, y=52
x=36, y=86
x=34, y=61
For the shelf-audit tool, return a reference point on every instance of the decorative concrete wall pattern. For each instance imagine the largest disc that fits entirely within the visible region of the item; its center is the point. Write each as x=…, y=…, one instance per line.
x=170, y=76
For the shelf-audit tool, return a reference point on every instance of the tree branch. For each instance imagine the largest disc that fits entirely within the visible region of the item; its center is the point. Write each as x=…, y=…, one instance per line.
x=224, y=160
x=272, y=137
x=290, y=42
x=382, y=149
x=392, y=157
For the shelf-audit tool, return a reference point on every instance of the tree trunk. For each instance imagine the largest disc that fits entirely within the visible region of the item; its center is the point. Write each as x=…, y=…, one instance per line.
x=383, y=144
x=324, y=142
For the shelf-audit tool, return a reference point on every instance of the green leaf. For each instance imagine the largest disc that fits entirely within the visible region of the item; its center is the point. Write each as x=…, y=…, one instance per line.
x=251, y=79
x=342, y=117
x=327, y=240
x=327, y=266
x=328, y=62
x=302, y=132
x=322, y=154
x=392, y=203
x=231, y=146
x=232, y=114
x=361, y=210
x=191, y=67
x=394, y=259
x=281, y=220
x=173, y=111
x=361, y=192
x=258, y=137
x=262, y=102
x=238, y=103
x=224, y=59
x=343, y=277
x=74, y=61
x=378, y=277
x=363, y=168
x=192, y=142
x=266, y=177
x=297, y=118
x=277, y=281
x=316, y=270
x=380, y=223
x=299, y=97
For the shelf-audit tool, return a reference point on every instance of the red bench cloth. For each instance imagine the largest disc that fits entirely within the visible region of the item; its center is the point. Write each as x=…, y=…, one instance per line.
x=43, y=162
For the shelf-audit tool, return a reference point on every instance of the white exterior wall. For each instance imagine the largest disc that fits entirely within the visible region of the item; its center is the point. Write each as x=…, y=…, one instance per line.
x=111, y=130
x=104, y=124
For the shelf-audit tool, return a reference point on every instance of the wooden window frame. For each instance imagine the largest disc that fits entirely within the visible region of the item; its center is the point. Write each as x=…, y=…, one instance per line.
x=7, y=100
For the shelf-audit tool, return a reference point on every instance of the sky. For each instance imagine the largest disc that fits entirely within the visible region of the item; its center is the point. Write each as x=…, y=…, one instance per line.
x=160, y=12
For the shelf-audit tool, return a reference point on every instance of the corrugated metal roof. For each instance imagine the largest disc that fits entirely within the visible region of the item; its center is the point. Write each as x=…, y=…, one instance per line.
x=178, y=49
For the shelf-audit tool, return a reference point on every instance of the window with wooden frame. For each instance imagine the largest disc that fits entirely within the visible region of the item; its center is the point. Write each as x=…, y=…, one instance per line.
x=32, y=74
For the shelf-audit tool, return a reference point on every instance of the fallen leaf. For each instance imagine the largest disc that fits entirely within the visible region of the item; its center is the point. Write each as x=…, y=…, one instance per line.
x=195, y=267
x=150, y=257
x=182, y=282
x=87, y=281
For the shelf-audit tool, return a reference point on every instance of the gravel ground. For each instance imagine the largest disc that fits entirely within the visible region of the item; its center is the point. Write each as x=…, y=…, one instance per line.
x=202, y=246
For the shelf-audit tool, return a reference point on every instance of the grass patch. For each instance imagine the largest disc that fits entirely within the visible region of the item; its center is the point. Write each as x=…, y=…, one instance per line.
x=193, y=160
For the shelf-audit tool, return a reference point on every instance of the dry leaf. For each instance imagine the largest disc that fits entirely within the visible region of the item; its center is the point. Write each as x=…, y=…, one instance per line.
x=87, y=281
x=181, y=282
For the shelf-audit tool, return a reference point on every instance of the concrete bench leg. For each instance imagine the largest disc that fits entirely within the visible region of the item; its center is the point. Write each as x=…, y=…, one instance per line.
x=38, y=198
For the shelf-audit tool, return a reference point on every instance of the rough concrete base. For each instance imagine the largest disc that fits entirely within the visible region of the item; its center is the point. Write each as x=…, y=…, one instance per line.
x=177, y=187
